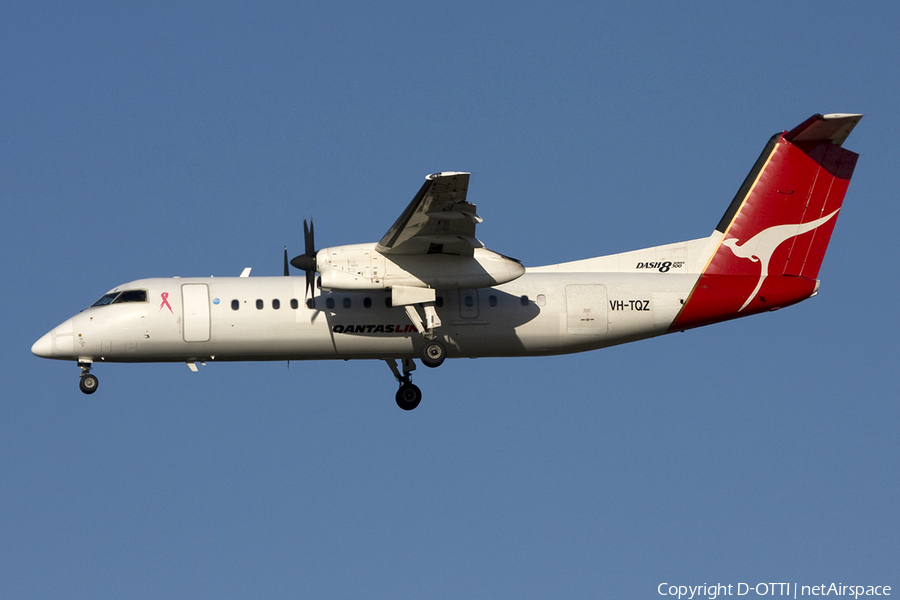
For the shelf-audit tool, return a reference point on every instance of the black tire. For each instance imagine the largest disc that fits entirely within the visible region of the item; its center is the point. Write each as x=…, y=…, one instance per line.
x=88, y=384
x=408, y=396
x=433, y=354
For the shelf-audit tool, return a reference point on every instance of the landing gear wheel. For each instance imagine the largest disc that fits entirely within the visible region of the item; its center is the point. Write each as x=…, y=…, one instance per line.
x=433, y=354
x=88, y=383
x=408, y=396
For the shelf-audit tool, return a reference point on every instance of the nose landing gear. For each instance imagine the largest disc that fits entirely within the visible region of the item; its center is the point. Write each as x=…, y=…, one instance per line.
x=87, y=383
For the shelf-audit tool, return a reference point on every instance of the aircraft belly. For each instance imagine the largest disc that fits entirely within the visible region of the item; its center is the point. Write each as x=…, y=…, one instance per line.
x=367, y=346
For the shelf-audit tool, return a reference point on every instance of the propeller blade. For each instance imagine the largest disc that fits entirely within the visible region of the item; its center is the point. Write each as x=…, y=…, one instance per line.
x=309, y=238
x=287, y=273
x=307, y=260
x=310, y=282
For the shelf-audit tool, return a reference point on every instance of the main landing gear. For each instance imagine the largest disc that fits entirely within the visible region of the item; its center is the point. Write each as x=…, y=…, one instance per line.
x=88, y=383
x=433, y=351
x=433, y=354
x=409, y=395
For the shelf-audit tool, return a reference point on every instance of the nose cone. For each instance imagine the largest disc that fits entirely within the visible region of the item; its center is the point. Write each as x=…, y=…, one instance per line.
x=59, y=343
x=43, y=347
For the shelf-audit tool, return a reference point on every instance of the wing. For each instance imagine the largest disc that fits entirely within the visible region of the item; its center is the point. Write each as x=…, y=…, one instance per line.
x=437, y=221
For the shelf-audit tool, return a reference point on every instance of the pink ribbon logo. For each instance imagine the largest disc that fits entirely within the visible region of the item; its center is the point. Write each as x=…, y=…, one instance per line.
x=165, y=302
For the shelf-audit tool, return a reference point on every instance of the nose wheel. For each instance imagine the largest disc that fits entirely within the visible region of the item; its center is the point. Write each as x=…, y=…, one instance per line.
x=409, y=395
x=87, y=383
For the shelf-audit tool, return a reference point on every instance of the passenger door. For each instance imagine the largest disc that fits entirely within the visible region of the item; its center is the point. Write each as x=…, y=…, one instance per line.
x=195, y=300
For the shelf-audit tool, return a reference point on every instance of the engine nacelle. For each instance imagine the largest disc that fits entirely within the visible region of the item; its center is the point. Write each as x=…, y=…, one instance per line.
x=362, y=267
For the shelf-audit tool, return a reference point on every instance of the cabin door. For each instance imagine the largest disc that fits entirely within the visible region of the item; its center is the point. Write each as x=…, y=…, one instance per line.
x=195, y=300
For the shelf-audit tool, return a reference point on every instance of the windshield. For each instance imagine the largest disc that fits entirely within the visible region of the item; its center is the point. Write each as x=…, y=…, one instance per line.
x=121, y=297
x=106, y=299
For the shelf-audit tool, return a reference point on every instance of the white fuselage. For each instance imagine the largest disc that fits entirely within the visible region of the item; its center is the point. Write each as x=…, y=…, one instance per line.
x=556, y=309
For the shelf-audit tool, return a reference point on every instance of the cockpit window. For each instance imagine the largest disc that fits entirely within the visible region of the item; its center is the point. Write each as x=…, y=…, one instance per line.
x=121, y=297
x=131, y=296
x=107, y=299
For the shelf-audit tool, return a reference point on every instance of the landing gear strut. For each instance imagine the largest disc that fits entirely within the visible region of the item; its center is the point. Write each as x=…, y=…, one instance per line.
x=409, y=395
x=433, y=352
x=88, y=383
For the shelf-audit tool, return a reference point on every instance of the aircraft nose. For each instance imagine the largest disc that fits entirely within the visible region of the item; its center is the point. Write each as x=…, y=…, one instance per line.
x=43, y=347
x=57, y=343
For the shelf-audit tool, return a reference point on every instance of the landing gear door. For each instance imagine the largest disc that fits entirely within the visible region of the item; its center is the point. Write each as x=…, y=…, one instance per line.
x=195, y=300
x=586, y=309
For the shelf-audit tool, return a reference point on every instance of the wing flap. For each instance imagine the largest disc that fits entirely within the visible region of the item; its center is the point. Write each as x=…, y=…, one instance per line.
x=437, y=220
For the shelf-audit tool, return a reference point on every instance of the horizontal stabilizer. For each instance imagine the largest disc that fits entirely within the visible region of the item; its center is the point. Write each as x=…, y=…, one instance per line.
x=828, y=128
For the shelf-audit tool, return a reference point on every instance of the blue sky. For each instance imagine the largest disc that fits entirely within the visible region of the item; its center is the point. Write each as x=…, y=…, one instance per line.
x=163, y=140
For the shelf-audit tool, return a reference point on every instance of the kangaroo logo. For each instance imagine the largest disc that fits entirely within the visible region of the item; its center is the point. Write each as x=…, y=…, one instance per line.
x=762, y=246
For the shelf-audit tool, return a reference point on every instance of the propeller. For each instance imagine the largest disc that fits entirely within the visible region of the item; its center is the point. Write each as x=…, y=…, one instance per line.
x=307, y=260
x=287, y=273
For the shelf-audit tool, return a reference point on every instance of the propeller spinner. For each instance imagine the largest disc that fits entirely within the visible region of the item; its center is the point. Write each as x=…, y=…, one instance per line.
x=307, y=260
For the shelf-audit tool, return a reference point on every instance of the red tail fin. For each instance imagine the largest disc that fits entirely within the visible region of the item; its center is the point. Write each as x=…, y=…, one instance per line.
x=774, y=235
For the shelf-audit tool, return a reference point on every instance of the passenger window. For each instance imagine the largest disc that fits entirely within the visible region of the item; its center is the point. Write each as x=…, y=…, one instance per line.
x=468, y=304
x=259, y=304
x=492, y=300
x=524, y=300
x=235, y=305
x=347, y=302
x=541, y=300
x=276, y=304
x=367, y=302
x=294, y=303
x=311, y=303
x=329, y=302
x=439, y=301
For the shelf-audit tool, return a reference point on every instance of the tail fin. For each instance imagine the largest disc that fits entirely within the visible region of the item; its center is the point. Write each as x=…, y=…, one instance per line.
x=772, y=239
